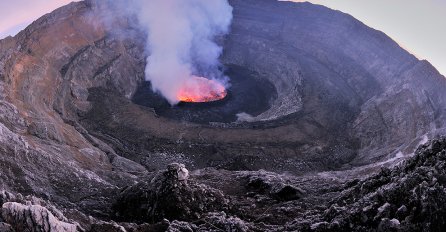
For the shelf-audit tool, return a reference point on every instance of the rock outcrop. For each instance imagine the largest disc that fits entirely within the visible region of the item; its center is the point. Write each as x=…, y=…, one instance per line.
x=33, y=218
x=407, y=197
x=274, y=185
x=168, y=195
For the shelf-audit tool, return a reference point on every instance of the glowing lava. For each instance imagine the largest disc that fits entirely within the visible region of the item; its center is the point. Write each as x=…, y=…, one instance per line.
x=200, y=89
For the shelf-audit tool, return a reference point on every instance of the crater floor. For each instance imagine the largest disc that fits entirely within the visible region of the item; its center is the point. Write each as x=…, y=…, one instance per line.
x=247, y=93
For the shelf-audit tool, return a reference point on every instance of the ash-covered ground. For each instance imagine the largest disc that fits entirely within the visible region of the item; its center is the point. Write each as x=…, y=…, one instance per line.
x=319, y=131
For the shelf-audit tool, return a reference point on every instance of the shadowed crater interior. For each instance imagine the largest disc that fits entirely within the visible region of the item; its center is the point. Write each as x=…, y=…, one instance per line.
x=248, y=93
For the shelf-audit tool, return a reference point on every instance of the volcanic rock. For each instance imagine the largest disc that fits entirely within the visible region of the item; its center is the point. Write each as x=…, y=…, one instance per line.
x=275, y=186
x=5, y=227
x=411, y=189
x=167, y=194
x=331, y=144
x=223, y=222
x=33, y=218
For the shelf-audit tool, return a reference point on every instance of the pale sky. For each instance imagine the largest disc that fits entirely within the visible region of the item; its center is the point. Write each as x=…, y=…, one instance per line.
x=417, y=25
x=15, y=15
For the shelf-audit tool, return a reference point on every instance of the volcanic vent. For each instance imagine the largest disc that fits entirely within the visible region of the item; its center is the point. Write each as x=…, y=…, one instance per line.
x=248, y=93
x=200, y=89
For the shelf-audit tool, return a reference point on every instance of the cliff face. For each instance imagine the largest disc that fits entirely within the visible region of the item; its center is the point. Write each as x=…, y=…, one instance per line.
x=347, y=95
x=43, y=149
x=340, y=74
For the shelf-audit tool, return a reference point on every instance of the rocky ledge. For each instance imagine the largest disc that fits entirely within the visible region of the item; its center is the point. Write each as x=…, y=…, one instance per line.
x=408, y=197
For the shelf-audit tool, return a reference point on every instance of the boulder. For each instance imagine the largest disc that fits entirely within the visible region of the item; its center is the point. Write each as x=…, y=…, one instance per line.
x=167, y=194
x=33, y=218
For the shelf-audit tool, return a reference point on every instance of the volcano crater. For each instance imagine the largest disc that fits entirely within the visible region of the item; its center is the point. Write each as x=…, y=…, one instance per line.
x=330, y=100
x=249, y=94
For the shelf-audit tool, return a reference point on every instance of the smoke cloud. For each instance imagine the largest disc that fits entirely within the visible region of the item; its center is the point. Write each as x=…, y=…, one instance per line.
x=180, y=41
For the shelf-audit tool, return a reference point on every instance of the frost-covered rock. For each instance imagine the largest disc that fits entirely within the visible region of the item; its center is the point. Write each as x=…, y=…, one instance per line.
x=5, y=227
x=33, y=218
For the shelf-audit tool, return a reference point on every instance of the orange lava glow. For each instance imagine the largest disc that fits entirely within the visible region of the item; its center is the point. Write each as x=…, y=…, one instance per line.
x=200, y=89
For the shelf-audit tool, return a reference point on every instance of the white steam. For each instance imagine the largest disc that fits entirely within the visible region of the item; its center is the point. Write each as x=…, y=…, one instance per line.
x=181, y=43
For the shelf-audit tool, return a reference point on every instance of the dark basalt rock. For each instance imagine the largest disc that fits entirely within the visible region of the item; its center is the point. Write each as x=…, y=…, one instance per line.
x=168, y=194
x=274, y=186
x=332, y=95
x=408, y=197
x=222, y=222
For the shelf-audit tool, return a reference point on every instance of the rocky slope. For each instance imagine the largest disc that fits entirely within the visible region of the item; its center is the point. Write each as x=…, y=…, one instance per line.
x=408, y=197
x=347, y=98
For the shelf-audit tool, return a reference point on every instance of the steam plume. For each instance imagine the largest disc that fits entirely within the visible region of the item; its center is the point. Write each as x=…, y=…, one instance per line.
x=181, y=43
